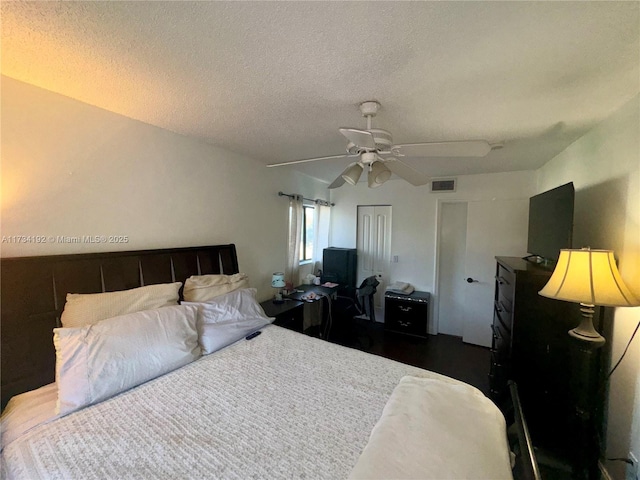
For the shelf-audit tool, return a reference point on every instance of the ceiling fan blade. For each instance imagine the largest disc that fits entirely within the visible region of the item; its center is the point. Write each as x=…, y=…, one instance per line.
x=360, y=138
x=338, y=182
x=305, y=160
x=406, y=172
x=470, y=148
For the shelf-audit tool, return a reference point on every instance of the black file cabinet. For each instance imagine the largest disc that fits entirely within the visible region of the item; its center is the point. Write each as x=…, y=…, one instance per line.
x=407, y=314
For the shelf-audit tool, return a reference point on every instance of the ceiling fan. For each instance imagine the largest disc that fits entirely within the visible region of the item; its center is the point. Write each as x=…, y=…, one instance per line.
x=375, y=152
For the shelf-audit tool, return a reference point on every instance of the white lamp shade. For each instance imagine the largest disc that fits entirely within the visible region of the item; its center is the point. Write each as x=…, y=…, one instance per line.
x=277, y=280
x=590, y=277
x=352, y=174
x=378, y=174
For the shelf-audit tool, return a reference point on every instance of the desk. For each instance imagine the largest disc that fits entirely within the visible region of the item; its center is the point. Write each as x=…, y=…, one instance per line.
x=316, y=318
x=317, y=289
x=301, y=315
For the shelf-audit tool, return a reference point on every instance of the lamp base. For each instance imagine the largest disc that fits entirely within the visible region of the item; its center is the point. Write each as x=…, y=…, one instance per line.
x=597, y=340
x=585, y=330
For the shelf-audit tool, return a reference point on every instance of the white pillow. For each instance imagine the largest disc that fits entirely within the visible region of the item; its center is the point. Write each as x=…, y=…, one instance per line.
x=202, y=288
x=87, y=309
x=228, y=318
x=98, y=361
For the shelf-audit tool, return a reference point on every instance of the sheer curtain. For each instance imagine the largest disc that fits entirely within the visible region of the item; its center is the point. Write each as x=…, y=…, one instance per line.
x=291, y=273
x=322, y=221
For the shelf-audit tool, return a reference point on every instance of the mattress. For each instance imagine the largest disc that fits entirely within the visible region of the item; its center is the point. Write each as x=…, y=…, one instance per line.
x=282, y=405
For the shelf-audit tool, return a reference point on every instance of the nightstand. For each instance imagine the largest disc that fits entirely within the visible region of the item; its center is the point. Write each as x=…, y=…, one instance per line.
x=288, y=314
x=407, y=313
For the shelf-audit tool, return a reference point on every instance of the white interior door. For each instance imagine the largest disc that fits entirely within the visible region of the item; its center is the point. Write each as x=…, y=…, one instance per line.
x=452, y=239
x=374, y=246
x=494, y=228
x=491, y=228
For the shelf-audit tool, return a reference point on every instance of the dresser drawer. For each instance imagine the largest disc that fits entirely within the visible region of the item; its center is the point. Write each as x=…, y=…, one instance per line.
x=505, y=282
x=406, y=316
x=505, y=303
x=502, y=313
x=498, y=377
x=498, y=371
x=501, y=344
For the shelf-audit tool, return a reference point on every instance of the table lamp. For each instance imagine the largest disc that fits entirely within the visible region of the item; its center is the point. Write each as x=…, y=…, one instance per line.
x=277, y=281
x=589, y=277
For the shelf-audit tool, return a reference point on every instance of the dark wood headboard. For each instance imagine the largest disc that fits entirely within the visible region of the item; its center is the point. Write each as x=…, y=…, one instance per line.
x=33, y=292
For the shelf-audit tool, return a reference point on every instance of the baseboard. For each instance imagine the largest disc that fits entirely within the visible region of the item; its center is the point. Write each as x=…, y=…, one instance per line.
x=604, y=473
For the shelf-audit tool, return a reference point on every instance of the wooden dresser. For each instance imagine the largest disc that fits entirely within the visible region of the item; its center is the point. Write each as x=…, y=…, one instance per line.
x=531, y=346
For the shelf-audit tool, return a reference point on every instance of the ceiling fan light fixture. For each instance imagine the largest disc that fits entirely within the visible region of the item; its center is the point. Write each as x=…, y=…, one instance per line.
x=352, y=149
x=378, y=174
x=374, y=150
x=352, y=174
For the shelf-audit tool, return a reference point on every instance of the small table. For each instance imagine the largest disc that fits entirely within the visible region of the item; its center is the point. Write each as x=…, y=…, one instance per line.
x=288, y=314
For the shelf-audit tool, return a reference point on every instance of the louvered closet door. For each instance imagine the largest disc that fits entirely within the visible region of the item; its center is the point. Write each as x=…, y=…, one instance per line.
x=374, y=246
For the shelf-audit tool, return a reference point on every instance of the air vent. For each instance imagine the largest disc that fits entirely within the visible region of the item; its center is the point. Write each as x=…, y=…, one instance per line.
x=443, y=185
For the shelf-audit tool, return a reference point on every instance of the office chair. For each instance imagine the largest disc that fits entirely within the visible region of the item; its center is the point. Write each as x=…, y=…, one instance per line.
x=348, y=311
x=364, y=294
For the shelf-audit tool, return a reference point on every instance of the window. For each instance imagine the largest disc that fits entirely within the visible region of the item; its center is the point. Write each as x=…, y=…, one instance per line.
x=308, y=234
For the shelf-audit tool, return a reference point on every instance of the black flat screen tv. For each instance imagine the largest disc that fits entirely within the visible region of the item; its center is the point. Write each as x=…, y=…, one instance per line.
x=550, y=223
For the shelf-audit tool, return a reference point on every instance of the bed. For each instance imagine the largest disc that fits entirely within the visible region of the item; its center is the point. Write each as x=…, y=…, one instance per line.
x=280, y=405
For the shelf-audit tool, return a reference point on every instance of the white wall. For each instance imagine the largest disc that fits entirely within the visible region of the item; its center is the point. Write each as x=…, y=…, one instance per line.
x=413, y=236
x=604, y=166
x=71, y=169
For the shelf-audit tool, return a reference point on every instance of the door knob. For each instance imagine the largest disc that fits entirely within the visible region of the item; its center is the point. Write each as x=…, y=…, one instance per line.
x=471, y=280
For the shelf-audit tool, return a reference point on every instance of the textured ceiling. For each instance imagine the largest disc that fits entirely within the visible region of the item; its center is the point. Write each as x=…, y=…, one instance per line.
x=274, y=80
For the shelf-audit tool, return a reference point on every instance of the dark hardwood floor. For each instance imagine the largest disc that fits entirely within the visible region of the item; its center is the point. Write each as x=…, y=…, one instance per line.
x=443, y=354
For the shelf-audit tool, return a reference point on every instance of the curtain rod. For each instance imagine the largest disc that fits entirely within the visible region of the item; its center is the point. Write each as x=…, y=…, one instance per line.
x=317, y=201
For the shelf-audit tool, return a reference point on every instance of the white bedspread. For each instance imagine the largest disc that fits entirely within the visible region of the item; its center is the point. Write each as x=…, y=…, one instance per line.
x=282, y=405
x=435, y=430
